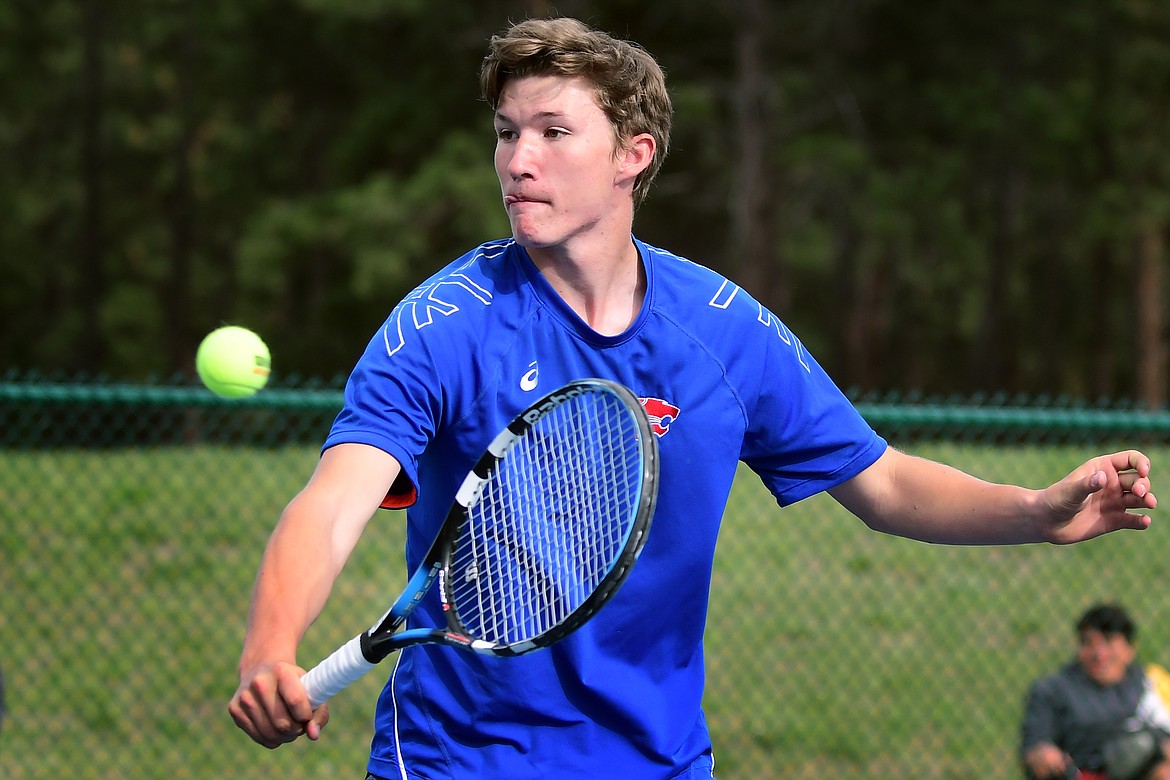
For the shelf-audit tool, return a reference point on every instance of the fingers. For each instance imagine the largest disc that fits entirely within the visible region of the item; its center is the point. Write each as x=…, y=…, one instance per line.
x=263, y=717
x=318, y=721
x=273, y=709
x=1131, y=461
x=1132, y=469
x=292, y=692
x=1047, y=760
x=1107, y=493
x=1137, y=491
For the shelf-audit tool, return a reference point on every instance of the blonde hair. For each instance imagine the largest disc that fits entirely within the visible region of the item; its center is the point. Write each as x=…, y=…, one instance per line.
x=630, y=86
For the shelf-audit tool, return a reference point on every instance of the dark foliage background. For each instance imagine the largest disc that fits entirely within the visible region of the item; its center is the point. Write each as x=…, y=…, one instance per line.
x=939, y=196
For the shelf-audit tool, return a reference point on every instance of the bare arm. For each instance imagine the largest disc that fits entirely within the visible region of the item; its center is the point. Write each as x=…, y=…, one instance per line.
x=921, y=499
x=305, y=554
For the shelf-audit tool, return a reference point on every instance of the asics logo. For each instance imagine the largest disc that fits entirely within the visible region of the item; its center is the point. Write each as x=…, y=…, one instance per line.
x=528, y=381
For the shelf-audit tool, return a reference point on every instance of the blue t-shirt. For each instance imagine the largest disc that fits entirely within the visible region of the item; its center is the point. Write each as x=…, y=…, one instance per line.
x=723, y=380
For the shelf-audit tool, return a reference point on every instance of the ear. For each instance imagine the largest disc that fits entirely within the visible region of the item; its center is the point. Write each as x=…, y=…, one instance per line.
x=636, y=156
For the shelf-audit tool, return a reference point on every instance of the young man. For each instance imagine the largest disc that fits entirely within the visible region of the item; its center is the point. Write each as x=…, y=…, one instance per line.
x=1102, y=697
x=582, y=124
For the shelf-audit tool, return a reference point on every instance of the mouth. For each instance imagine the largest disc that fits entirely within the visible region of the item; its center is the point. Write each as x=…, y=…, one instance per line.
x=513, y=200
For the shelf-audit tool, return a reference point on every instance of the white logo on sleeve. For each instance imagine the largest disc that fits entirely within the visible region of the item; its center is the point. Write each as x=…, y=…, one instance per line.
x=528, y=381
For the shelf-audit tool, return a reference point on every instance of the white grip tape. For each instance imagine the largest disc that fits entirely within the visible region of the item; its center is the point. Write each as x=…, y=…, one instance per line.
x=335, y=673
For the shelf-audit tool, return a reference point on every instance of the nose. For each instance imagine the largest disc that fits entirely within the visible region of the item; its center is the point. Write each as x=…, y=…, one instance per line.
x=522, y=162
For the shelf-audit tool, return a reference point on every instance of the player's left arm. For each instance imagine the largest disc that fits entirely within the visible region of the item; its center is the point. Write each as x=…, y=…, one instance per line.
x=922, y=499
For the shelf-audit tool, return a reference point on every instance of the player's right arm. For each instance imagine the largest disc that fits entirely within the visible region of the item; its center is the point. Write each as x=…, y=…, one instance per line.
x=306, y=552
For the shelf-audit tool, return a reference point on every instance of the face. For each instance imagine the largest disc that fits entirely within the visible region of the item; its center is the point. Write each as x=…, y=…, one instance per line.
x=1104, y=656
x=557, y=161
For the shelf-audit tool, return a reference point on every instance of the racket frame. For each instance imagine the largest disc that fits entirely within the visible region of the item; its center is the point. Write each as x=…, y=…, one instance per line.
x=386, y=636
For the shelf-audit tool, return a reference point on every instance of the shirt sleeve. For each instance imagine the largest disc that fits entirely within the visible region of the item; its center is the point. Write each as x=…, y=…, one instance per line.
x=803, y=435
x=392, y=402
x=1039, y=722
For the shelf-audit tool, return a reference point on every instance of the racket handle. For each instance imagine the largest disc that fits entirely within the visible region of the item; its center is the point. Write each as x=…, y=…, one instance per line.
x=327, y=679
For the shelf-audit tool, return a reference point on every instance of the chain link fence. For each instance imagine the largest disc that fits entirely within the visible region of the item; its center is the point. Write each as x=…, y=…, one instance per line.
x=132, y=519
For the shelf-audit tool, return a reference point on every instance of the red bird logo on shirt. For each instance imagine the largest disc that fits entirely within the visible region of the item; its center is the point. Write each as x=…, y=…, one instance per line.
x=661, y=414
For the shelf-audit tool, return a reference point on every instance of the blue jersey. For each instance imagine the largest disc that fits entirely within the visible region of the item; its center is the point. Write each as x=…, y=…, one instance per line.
x=723, y=380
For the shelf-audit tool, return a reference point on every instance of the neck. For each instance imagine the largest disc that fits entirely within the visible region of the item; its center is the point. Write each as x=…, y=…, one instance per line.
x=604, y=285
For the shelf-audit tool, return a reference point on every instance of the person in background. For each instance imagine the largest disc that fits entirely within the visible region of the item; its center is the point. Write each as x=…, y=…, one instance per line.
x=1100, y=710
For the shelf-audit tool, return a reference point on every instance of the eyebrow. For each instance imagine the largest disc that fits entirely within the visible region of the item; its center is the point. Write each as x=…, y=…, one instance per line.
x=543, y=115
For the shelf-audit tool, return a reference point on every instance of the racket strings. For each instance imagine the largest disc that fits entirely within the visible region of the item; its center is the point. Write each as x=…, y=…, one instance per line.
x=550, y=523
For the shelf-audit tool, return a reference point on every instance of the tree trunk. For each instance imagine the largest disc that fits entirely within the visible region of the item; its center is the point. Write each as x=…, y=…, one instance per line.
x=752, y=246
x=182, y=203
x=1107, y=279
x=1150, y=278
x=90, y=344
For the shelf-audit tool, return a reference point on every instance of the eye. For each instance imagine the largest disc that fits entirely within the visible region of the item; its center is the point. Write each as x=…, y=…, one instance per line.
x=505, y=134
x=556, y=132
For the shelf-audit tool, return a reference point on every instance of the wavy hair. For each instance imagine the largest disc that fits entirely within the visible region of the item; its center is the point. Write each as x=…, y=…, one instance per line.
x=630, y=86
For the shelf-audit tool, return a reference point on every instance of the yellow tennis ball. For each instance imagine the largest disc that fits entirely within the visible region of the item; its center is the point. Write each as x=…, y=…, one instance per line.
x=233, y=362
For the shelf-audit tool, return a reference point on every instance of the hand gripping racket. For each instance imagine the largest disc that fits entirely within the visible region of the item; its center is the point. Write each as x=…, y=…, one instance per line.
x=542, y=533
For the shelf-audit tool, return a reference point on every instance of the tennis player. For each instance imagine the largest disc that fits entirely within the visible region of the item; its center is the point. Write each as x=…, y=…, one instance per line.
x=582, y=124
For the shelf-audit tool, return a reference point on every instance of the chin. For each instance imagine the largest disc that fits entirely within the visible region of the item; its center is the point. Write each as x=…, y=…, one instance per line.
x=533, y=233
x=530, y=240
x=1106, y=679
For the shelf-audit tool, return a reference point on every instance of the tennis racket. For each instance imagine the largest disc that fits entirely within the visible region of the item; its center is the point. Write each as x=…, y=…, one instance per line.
x=542, y=533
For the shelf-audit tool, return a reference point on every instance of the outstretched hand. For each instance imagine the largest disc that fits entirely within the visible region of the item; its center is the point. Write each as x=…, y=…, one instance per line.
x=1100, y=497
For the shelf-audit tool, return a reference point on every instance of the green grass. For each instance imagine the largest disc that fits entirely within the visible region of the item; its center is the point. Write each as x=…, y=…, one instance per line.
x=832, y=651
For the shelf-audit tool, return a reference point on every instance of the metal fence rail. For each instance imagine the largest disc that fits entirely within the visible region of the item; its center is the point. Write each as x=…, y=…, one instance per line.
x=132, y=518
